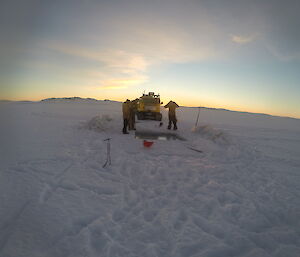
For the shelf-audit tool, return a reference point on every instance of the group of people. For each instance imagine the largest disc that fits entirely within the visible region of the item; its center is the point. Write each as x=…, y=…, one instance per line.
x=130, y=108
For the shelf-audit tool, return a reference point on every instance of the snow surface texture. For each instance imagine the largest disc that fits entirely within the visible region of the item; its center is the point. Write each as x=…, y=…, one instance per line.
x=239, y=197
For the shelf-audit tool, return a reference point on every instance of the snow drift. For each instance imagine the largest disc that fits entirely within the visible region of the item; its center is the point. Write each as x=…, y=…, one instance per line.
x=99, y=123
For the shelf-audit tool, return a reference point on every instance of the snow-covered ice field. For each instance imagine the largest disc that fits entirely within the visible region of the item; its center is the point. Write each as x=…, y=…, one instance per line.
x=239, y=197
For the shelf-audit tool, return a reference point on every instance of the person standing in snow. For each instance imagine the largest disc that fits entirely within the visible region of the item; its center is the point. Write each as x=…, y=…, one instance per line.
x=126, y=115
x=132, y=112
x=172, y=114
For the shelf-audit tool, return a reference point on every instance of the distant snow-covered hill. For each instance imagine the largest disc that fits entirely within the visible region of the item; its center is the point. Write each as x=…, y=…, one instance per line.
x=67, y=99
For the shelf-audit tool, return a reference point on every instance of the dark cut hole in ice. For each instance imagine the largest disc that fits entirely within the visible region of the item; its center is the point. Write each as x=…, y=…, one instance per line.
x=152, y=135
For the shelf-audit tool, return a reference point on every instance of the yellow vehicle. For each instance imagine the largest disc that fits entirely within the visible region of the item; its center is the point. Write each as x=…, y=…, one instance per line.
x=148, y=107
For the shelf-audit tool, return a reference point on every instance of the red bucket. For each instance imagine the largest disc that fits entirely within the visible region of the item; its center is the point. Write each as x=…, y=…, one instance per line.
x=147, y=143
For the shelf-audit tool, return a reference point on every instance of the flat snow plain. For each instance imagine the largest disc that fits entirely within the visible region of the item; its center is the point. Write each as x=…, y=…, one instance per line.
x=240, y=196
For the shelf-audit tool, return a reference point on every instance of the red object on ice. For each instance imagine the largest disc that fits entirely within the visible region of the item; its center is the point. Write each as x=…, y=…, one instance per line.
x=148, y=143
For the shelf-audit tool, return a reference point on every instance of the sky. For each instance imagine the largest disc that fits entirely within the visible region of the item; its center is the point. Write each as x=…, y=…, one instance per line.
x=233, y=54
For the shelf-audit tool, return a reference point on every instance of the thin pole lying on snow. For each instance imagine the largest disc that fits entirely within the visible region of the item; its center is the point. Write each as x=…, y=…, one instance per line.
x=108, y=159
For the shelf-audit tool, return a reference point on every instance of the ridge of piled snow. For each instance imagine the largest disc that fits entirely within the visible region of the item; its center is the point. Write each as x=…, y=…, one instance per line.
x=207, y=131
x=239, y=197
x=99, y=123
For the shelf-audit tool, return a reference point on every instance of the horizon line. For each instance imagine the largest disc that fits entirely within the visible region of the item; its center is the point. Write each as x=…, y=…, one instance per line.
x=91, y=98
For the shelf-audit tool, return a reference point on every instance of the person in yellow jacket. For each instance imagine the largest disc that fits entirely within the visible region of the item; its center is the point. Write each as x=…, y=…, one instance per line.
x=126, y=115
x=132, y=112
x=172, y=114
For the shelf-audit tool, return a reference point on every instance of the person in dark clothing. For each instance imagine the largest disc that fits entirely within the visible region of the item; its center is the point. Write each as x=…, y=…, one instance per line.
x=172, y=114
x=126, y=115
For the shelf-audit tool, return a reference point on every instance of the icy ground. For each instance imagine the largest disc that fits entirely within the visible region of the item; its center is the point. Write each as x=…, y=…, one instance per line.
x=239, y=197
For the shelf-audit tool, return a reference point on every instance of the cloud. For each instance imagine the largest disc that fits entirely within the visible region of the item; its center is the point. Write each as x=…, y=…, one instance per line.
x=282, y=54
x=130, y=46
x=119, y=68
x=122, y=82
x=167, y=41
x=112, y=58
x=242, y=39
x=277, y=22
x=162, y=46
x=127, y=63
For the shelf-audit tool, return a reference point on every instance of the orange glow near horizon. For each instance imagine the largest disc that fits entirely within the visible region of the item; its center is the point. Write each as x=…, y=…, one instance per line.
x=181, y=102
